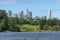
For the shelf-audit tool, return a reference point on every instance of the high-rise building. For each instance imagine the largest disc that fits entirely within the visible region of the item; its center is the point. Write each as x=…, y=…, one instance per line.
x=10, y=13
x=27, y=11
x=43, y=18
x=20, y=15
x=26, y=14
x=36, y=18
x=14, y=15
x=55, y=18
x=49, y=14
x=30, y=14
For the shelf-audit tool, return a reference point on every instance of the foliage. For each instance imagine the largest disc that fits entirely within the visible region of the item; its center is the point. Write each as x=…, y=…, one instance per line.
x=11, y=24
x=30, y=28
x=6, y=23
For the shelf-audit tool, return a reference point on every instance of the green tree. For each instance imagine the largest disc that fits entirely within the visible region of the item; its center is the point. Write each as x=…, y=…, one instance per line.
x=42, y=23
x=3, y=20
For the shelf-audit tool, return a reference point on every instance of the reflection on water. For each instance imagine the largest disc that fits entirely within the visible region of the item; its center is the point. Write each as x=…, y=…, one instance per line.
x=29, y=35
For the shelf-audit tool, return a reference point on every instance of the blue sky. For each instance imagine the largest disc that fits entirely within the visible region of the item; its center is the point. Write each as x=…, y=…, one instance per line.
x=38, y=7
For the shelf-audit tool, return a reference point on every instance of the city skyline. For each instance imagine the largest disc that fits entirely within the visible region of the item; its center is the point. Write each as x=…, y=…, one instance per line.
x=28, y=14
x=38, y=7
x=20, y=14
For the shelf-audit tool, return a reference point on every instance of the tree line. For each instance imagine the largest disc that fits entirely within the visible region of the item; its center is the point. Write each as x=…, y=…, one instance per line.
x=11, y=23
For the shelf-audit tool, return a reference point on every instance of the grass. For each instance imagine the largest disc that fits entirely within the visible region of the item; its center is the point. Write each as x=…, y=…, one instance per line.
x=33, y=28
x=30, y=28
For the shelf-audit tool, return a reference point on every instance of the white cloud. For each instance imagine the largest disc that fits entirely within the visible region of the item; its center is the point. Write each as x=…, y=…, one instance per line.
x=9, y=2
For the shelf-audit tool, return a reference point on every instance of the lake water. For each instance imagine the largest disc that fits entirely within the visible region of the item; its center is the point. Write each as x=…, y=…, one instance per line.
x=29, y=35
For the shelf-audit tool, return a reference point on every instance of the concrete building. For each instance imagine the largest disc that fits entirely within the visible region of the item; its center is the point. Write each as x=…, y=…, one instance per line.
x=55, y=18
x=43, y=18
x=30, y=14
x=49, y=14
x=14, y=15
x=36, y=18
x=9, y=13
x=26, y=14
x=20, y=14
x=27, y=11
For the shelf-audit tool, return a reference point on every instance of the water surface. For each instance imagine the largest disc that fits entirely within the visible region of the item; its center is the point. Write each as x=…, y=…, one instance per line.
x=29, y=35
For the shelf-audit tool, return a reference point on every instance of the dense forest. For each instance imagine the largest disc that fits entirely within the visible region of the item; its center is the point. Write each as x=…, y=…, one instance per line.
x=15, y=24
